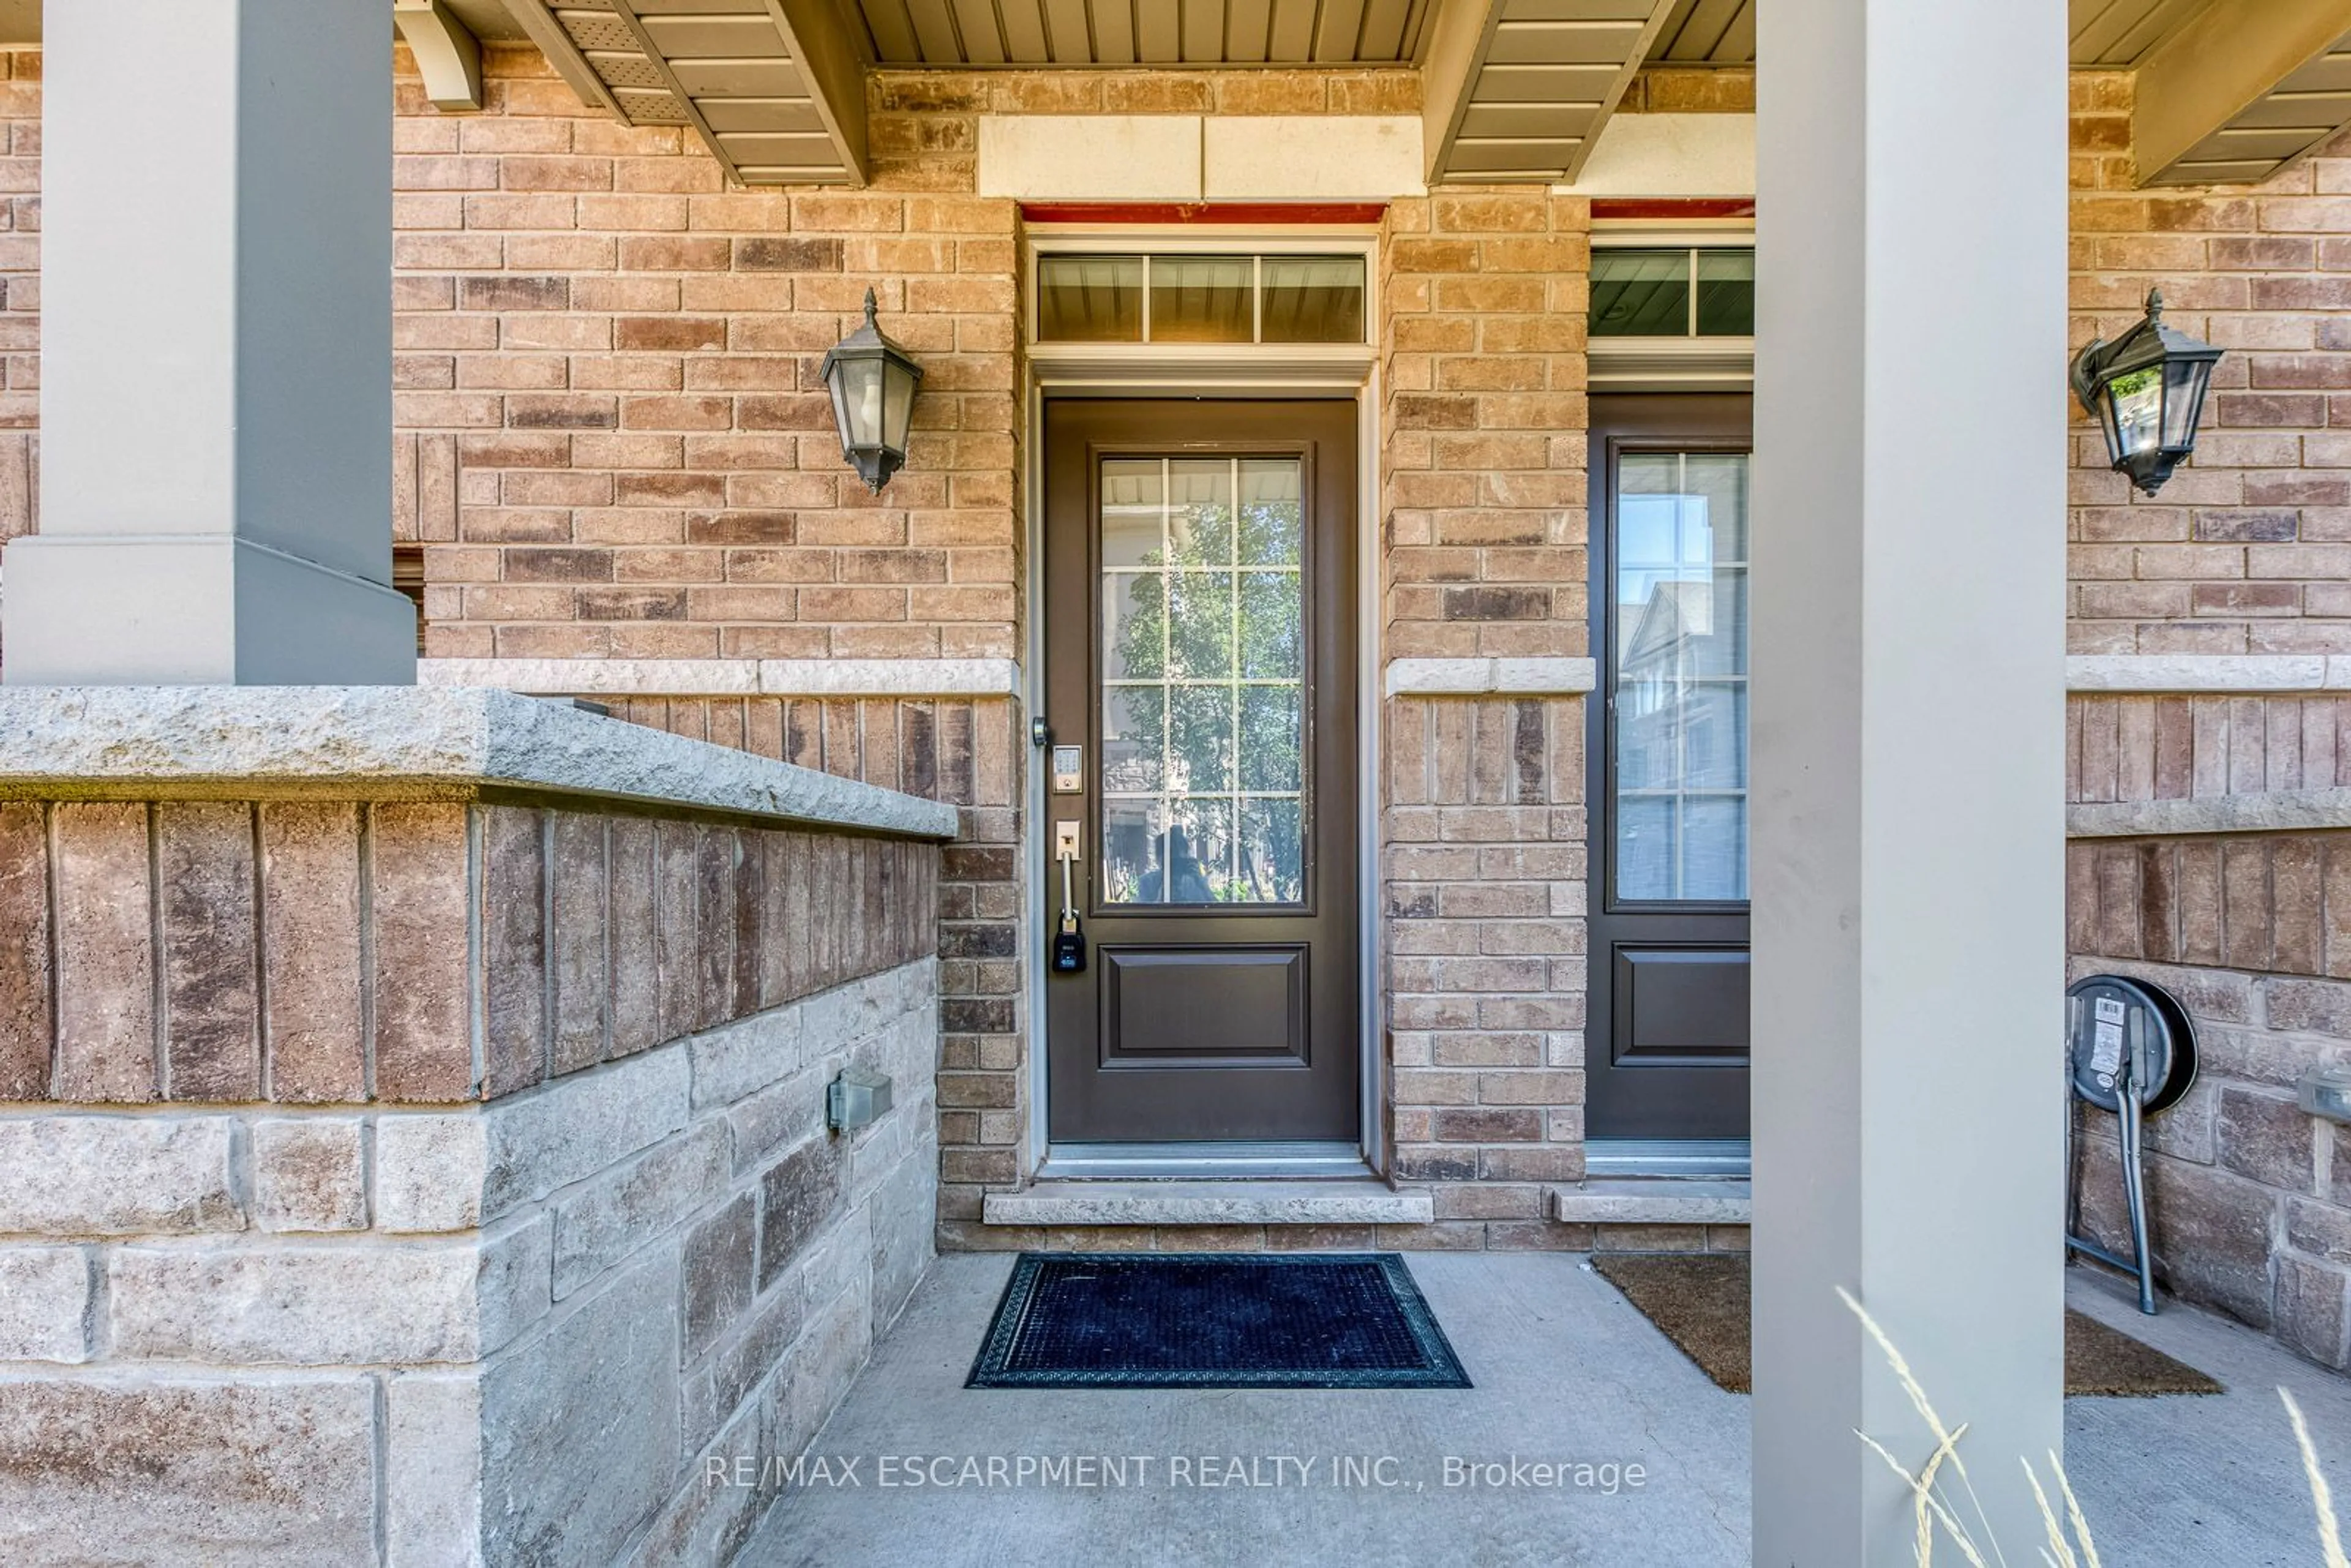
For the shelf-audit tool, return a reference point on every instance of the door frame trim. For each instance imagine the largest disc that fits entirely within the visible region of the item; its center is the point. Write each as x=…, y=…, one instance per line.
x=1235, y=376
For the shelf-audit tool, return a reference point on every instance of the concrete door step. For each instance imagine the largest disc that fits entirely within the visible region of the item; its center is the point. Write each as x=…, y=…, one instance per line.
x=1208, y=1203
x=1653, y=1201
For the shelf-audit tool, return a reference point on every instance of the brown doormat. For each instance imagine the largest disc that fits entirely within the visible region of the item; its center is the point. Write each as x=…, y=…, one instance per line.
x=1700, y=1301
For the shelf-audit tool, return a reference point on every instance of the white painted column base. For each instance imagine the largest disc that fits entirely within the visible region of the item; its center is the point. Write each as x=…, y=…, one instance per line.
x=146, y=609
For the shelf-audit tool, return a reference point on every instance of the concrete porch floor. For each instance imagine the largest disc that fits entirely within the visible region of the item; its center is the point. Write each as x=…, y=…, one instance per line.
x=1565, y=1369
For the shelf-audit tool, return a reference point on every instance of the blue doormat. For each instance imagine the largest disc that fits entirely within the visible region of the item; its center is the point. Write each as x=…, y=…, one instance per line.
x=1212, y=1319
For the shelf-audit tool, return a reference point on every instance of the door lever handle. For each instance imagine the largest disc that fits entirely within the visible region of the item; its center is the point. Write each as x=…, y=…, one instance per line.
x=1069, y=942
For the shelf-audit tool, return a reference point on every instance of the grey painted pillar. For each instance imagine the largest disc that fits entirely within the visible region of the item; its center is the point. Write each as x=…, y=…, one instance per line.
x=216, y=350
x=1908, y=832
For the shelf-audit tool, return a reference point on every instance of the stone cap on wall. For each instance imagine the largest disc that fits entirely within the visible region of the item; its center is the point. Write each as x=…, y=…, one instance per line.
x=404, y=743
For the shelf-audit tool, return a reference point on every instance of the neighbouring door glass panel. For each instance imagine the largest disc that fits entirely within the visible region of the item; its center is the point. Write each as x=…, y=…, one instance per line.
x=1203, y=298
x=1203, y=781
x=1726, y=294
x=1312, y=299
x=1201, y=625
x=1090, y=299
x=1679, y=738
x=1272, y=867
x=1270, y=717
x=1200, y=511
x=1134, y=739
x=1200, y=738
x=1134, y=625
x=1640, y=293
x=1272, y=519
x=1133, y=512
x=1272, y=630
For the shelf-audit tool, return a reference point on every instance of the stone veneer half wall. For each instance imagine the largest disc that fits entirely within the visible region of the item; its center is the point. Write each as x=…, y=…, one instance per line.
x=270, y=1292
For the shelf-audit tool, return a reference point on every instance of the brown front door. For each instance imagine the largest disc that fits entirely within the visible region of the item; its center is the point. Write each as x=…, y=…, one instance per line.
x=1666, y=1045
x=1200, y=648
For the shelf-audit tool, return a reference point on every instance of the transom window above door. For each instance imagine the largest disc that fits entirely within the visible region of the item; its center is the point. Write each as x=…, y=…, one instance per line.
x=1201, y=296
x=1677, y=292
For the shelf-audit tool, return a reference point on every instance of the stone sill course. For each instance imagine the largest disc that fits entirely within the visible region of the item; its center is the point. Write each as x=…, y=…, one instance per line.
x=404, y=743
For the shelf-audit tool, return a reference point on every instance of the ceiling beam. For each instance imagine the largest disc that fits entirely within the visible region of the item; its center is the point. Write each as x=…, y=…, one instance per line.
x=1459, y=37
x=833, y=67
x=1635, y=58
x=2220, y=65
x=446, y=52
x=533, y=17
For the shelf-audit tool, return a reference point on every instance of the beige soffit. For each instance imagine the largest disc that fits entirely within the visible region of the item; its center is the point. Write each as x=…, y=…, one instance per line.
x=1707, y=33
x=2104, y=34
x=775, y=88
x=2243, y=87
x=1519, y=89
x=1142, y=32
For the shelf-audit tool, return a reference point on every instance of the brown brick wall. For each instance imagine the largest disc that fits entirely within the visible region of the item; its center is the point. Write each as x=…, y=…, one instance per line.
x=614, y=441
x=1483, y=372
x=341, y=952
x=2179, y=747
x=1485, y=868
x=2248, y=549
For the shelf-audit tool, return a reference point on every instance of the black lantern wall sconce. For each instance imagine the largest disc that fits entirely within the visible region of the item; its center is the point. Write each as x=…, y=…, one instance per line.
x=2146, y=392
x=872, y=382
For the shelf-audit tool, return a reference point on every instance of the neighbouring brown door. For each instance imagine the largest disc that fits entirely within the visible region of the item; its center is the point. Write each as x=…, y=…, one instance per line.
x=1200, y=646
x=1667, y=1046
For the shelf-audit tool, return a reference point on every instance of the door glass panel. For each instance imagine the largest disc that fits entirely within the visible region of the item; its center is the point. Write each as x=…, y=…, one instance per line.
x=1679, y=724
x=1312, y=299
x=1203, y=298
x=1640, y=293
x=1726, y=293
x=1204, y=679
x=1090, y=299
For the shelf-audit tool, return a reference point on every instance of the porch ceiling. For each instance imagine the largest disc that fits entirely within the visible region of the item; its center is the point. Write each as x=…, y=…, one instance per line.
x=2227, y=91
x=1034, y=32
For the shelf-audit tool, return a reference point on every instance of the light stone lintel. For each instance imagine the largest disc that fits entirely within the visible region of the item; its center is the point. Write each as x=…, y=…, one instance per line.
x=2241, y=673
x=2274, y=811
x=403, y=742
x=1490, y=677
x=1638, y=1201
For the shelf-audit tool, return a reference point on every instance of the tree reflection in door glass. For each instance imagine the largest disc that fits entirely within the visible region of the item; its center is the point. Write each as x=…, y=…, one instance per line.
x=1203, y=776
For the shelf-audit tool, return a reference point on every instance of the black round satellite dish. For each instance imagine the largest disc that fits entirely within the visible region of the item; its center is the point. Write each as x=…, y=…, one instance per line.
x=2104, y=1015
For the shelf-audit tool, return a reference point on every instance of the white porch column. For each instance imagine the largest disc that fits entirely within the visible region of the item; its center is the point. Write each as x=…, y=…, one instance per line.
x=1907, y=834
x=216, y=350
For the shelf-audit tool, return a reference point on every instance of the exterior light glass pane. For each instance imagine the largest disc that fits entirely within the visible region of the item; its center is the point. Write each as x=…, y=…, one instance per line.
x=1203, y=298
x=1726, y=294
x=1640, y=293
x=2137, y=399
x=897, y=405
x=858, y=400
x=1090, y=300
x=1312, y=299
x=2183, y=400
